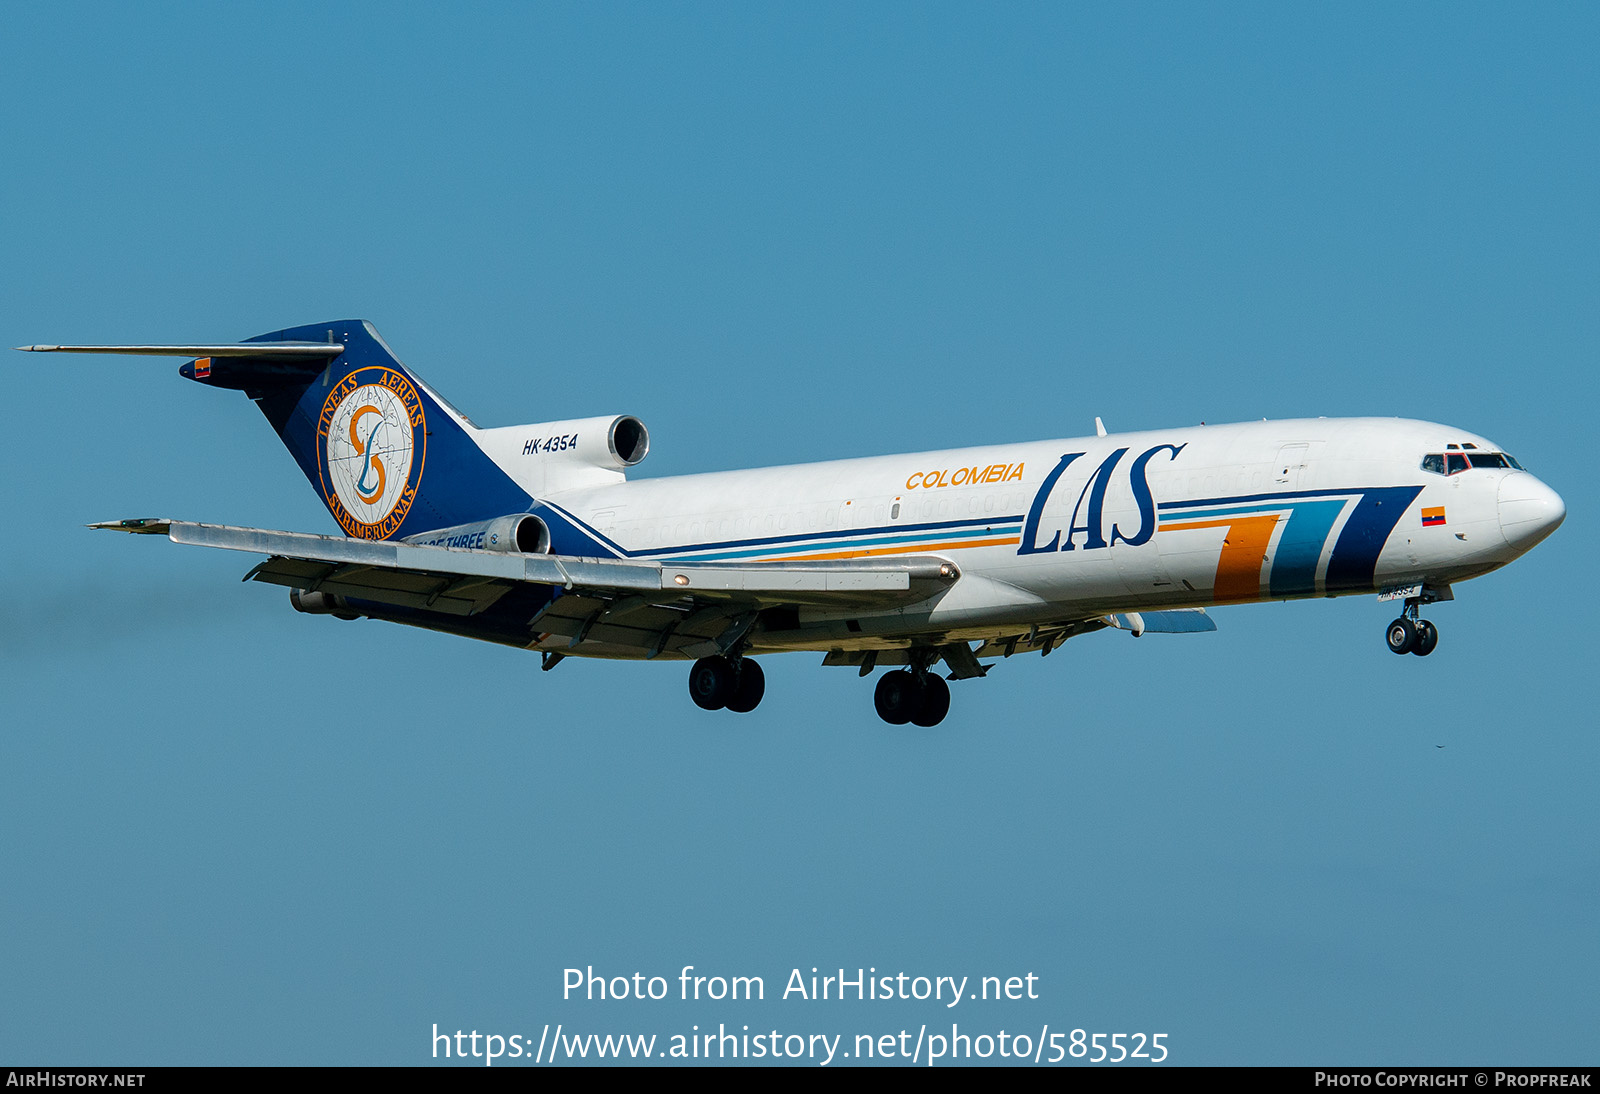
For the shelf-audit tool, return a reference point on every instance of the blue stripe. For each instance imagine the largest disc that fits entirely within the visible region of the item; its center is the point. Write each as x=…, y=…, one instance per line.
x=1355, y=556
x=1235, y=512
x=570, y=536
x=972, y=533
x=1283, y=495
x=578, y=528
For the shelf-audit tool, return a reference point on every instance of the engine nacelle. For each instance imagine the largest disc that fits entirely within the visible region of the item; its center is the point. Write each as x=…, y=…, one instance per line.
x=313, y=603
x=520, y=533
x=547, y=457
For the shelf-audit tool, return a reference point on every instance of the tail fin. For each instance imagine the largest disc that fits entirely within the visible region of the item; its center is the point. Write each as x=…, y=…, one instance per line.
x=388, y=456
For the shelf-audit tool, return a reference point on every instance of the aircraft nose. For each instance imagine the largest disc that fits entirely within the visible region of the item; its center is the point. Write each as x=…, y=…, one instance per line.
x=1529, y=510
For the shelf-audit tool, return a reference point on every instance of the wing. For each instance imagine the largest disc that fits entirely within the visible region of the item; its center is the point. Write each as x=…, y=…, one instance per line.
x=608, y=607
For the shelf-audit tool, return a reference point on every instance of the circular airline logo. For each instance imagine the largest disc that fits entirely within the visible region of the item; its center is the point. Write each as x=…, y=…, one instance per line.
x=371, y=441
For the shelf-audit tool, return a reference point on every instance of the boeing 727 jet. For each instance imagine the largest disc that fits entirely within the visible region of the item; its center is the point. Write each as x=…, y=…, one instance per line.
x=533, y=536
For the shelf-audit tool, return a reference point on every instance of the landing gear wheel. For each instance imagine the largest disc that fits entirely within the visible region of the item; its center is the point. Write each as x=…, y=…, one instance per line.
x=1402, y=636
x=1427, y=638
x=935, y=701
x=897, y=697
x=713, y=682
x=751, y=687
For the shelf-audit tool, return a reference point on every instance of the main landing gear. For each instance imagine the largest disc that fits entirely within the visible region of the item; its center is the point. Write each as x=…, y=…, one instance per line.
x=917, y=695
x=736, y=683
x=1411, y=633
x=921, y=697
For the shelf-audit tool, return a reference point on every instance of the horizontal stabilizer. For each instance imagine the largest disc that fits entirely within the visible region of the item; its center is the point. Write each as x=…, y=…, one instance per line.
x=299, y=350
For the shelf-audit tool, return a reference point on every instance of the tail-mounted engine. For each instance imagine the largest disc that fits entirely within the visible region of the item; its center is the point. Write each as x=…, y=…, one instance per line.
x=522, y=533
x=548, y=457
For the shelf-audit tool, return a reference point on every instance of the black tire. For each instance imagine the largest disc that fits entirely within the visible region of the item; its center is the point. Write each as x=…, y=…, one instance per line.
x=1402, y=636
x=712, y=681
x=751, y=687
x=1427, y=638
x=935, y=701
x=897, y=697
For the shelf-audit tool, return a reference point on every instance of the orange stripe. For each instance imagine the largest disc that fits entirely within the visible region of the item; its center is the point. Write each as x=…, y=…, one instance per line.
x=908, y=549
x=1244, y=552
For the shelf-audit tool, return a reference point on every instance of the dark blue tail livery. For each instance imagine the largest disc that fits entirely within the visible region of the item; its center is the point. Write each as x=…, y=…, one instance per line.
x=386, y=457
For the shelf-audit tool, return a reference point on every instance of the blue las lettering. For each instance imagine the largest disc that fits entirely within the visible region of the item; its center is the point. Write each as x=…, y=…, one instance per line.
x=1095, y=491
x=1030, y=530
x=1091, y=502
x=1141, y=495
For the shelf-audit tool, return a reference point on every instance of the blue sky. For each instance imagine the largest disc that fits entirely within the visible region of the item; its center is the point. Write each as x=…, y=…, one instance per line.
x=233, y=834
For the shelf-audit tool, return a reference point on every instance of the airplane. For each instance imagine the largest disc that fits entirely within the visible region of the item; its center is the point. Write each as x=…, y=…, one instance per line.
x=533, y=535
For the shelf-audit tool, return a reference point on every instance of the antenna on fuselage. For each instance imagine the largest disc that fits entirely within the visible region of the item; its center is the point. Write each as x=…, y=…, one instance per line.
x=1099, y=427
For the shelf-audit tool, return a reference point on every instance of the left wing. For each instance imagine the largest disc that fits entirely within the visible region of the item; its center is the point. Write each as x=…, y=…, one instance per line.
x=625, y=607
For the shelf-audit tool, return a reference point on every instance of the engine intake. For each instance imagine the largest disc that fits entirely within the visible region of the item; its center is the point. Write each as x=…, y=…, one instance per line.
x=629, y=440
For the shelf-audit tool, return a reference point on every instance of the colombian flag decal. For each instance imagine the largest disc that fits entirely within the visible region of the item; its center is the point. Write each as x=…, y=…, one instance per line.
x=202, y=369
x=1430, y=517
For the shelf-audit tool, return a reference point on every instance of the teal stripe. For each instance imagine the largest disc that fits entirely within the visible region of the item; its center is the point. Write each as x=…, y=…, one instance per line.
x=847, y=545
x=1205, y=514
x=1294, y=563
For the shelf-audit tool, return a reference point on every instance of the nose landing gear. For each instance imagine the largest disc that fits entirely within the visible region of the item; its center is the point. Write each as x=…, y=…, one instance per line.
x=1411, y=633
x=1402, y=635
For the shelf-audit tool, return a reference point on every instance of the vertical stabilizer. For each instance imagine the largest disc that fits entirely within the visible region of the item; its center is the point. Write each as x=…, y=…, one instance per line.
x=388, y=458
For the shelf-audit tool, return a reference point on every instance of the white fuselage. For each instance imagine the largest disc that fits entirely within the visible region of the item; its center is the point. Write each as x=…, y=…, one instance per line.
x=1053, y=531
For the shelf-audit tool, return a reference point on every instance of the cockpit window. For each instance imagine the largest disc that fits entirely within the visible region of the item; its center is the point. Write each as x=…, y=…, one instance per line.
x=1456, y=461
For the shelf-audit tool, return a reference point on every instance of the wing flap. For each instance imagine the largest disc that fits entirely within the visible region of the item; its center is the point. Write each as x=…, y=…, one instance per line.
x=687, y=629
x=1041, y=639
x=454, y=594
